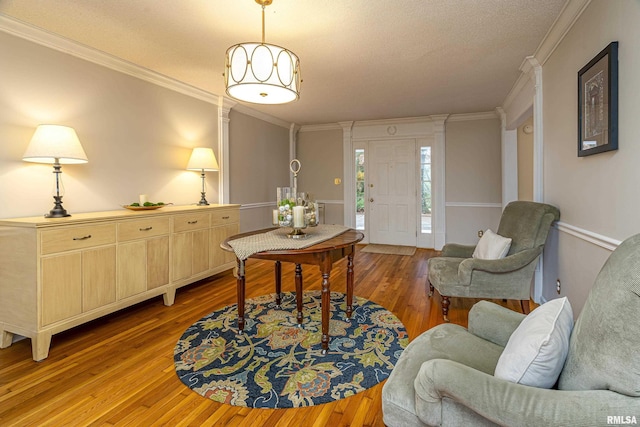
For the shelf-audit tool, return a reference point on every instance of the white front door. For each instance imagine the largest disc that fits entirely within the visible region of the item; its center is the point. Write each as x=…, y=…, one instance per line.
x=392, y=192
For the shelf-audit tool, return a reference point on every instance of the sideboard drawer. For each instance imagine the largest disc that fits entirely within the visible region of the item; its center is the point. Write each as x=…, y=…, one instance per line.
x=227, y=216
x=142, y=228
x=194, y=221
x=73, y=238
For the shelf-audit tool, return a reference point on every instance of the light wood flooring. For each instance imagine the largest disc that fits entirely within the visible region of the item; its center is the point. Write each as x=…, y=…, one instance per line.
x=118, y=370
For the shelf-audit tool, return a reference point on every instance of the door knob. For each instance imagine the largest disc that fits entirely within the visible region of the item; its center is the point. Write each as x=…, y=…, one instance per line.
x=371, y=200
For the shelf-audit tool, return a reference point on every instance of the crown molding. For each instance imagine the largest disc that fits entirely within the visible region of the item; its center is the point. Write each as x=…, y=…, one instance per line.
x=387, y=122
x=248, y=111
x=559, y=29
x=53, y=41
x=319, y=128
x=486, y=115
x=518, y=101
x=226, y=104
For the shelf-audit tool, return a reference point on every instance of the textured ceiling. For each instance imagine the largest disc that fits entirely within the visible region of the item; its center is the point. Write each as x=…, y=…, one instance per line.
x=360, y=59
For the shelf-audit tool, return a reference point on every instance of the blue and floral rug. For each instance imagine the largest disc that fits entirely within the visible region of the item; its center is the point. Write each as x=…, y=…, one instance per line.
x=276, y=364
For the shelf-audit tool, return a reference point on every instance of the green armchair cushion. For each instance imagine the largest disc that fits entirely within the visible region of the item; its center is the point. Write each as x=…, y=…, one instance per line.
x=456, y=250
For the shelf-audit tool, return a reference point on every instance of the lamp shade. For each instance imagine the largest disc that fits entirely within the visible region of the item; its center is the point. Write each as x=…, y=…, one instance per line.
x=262, y=73
x=202, y=159
x=51, y=142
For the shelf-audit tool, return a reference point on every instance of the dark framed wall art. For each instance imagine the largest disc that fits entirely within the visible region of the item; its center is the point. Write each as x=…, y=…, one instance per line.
x=598, y=103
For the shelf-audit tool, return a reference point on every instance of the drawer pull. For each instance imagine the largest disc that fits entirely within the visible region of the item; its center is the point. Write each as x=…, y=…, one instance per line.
x=83, y=237
x=192, y=222
x=146, y=229
x=225, y=217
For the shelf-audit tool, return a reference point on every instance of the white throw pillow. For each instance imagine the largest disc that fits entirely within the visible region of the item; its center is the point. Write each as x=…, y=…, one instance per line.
x=492, y=246
x=537, y=349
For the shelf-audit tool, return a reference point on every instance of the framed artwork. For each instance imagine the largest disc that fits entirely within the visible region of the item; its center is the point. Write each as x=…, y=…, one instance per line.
x=598, y=103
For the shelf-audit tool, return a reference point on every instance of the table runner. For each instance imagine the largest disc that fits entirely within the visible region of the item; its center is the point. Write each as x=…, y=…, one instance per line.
x=277, y=240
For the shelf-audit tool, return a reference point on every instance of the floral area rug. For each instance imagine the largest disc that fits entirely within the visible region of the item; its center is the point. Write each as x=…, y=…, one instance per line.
x=277, y=364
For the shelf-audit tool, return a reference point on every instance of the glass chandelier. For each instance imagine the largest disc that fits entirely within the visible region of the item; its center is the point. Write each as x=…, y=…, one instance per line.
x=262, y=73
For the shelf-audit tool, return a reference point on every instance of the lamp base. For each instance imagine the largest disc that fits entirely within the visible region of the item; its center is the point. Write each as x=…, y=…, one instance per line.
x=203, y=200
x=58, y=211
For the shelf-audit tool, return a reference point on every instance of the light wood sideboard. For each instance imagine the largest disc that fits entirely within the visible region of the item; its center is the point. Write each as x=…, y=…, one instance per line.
x=59, y=273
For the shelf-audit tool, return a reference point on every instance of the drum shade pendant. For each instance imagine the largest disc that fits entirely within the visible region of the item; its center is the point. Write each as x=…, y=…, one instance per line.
x=262, y=73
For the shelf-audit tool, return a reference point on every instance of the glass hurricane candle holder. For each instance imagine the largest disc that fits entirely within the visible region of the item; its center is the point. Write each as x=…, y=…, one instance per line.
x=297, y=211
x=311, y=213
x=286, y=201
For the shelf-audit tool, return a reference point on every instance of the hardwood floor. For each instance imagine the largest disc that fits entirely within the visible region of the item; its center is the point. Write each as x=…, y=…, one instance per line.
x=118, y=370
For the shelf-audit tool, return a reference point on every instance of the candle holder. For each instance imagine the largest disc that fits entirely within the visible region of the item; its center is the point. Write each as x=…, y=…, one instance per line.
x=311, y=213
x=297, y=233
x=295, y=210
x=286, y=201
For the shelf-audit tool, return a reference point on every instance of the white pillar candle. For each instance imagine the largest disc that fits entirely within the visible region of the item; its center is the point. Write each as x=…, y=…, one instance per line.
x=274, y=221
x=143, y=199
x=298, y=216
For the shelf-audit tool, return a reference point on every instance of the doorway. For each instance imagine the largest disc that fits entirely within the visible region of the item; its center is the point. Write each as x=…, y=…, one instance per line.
x=393, y=203
x=392, y=192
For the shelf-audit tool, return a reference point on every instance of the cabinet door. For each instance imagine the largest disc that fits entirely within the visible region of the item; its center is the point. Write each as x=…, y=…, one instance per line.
x=61, y=287
x=132, y=268
x=98, y=277
x=181, y=255
x=157, y=262
x=217, y=236
x=200, y=251
x=190, y=253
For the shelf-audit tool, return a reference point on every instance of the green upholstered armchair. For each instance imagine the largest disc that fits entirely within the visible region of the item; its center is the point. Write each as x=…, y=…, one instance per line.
x=445, y=375
x=455, y=273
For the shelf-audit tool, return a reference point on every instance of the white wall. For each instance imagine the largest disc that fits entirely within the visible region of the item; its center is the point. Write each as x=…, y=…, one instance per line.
x=137, y=135
x=597, y=195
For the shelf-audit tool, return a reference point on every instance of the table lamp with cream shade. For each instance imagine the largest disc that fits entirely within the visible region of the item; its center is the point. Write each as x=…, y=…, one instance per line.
x=56, y=145
x=204, y=160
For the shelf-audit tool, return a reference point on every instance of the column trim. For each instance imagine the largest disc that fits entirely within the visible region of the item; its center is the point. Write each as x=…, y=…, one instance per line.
x=348, y=180
x=224, y=107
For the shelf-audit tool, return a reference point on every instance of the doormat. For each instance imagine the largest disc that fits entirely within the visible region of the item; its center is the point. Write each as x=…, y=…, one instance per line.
x=389, y=249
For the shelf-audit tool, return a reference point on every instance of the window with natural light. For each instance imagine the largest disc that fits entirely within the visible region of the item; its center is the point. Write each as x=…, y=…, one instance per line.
x=425, y=185
x=360, y=189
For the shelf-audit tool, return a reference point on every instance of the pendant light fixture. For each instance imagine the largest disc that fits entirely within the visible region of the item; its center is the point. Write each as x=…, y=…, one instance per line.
x=262, y=73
